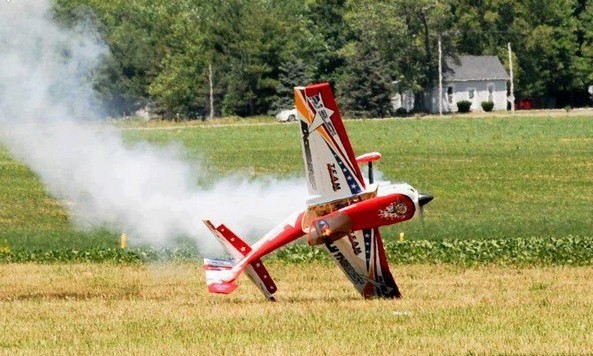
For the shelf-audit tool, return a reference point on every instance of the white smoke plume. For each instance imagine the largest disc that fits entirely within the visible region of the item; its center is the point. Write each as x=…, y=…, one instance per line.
x=46, y=101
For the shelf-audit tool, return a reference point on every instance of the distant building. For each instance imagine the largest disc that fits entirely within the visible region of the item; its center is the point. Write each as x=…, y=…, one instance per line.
x=402, y=98
x=473, y=78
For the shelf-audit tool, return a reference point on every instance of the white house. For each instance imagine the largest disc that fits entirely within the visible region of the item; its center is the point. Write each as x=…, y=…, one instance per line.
x=473, y=78
x=403, y=99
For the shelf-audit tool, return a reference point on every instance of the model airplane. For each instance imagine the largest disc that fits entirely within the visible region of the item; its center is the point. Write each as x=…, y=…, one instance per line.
x=343, y=213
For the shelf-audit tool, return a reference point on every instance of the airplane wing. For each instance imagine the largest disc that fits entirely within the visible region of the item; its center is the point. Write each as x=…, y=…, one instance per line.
x=330, y=165
x=361, y=256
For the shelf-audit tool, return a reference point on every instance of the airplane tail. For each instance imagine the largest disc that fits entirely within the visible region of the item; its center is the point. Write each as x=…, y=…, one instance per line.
x=216, y=272
x=222, y=274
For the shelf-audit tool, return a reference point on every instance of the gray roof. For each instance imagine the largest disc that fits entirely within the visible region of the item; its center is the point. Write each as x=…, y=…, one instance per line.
x=466, y=68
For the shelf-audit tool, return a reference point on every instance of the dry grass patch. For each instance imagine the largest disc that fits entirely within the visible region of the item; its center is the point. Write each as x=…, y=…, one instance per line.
x=108, y=309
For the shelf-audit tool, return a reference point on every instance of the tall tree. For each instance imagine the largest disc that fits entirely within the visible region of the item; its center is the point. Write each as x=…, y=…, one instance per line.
x=328, y=33
x=543, y=34
x=584, y=65
x=160, y=50
x=180, y=87
x=365, y=86
x=246, y=40
x=293, y=72
x=405, y=33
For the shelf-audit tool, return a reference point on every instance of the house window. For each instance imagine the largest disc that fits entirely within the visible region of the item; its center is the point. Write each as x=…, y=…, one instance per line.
x=450, y=95
x=491, y=92
x=471, y=93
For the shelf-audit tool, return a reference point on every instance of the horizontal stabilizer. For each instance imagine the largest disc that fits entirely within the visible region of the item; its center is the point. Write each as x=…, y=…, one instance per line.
x=232, y=243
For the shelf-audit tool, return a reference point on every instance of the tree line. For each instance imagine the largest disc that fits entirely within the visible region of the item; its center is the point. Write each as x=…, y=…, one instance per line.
x=164, y=53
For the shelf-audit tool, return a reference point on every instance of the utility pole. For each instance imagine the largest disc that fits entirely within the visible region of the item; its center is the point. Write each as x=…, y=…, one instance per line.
x=440, y=78
x=512, y=96
x=211, y=91
x=440, y=73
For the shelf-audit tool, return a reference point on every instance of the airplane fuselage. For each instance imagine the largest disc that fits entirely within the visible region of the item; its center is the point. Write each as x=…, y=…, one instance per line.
x=382, y=205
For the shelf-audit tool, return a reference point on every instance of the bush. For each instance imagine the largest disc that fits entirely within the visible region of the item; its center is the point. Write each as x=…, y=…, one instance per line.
x=487, y=105
x=464, y=106
x=401, y=112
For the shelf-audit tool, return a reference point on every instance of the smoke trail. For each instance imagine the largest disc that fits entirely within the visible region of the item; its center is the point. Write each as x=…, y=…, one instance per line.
x=46, y=101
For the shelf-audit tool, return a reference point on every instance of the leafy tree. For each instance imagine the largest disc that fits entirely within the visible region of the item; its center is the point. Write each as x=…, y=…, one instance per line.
x=121, y=79
x=247, y=43
x=180, y=87
x=543, y=35
x=584, y=60
x=160, y=50
x=550, y=48
x=327, y=34
x=365, y=87
x=405, y=33
x=293, y=72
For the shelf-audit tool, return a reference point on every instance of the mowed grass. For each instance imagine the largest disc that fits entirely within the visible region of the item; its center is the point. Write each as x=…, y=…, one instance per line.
x=493, y=178
x=165, y=309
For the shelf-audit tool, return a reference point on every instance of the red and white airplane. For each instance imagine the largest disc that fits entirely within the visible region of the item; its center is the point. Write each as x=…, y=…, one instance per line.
x=343, y=213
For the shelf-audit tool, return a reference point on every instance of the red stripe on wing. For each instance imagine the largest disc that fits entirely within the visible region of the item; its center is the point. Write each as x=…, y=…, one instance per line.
x=234, y=240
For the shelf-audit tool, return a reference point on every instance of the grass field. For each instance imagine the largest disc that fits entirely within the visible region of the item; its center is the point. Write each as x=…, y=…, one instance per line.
x=493, y=178
x=164, y=309
x=518, y=187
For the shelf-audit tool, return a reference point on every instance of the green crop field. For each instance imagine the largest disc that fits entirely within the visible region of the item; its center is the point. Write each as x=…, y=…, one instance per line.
x=493, y=178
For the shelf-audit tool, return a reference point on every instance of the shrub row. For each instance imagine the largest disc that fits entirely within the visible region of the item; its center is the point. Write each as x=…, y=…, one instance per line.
x=570, y=250
x=464, y=106
x=114, y=255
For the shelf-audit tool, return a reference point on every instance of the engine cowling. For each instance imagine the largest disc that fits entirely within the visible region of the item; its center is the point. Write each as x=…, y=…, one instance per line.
x=368, y=214
x=380, y=211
